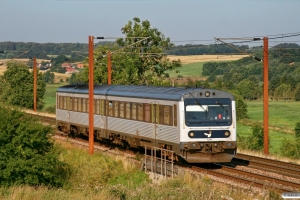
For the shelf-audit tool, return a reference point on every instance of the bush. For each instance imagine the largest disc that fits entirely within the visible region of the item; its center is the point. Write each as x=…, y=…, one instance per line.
x=51, y=109
x=290, y=148
x=27, y=155
x=255, y=141
x=297, y=130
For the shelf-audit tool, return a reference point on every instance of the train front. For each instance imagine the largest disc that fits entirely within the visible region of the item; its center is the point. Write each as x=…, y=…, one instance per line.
x=208, y=132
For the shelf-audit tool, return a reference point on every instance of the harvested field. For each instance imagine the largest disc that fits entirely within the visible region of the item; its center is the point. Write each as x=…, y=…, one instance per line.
x=206, y=58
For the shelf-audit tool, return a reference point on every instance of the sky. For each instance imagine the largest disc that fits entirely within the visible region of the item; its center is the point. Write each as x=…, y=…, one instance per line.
x=183, y=21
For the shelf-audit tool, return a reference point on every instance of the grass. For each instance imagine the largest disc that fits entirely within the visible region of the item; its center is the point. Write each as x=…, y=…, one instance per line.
x=283, y=116
x=50, y=94
x=102, y=176
x=190, y=69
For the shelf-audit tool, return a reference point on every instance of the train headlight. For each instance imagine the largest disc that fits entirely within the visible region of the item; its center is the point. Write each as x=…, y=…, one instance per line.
x=191, y=134
x=207, y=93
x=227, y=133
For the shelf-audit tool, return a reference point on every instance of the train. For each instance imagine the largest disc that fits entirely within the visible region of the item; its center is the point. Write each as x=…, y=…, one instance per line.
x=197, y=124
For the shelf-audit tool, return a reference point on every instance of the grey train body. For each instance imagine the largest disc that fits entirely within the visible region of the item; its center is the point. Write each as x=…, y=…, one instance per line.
x=198, y=124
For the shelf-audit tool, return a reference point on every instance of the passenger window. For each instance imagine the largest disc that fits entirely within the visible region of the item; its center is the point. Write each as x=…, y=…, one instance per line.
x=175, y=114
x=71, y=103
x=75, y=104
x=60, y=102
x=140, y=112
x=110, y=108
x=84, y=105
x=147, y=112
x=65, y=103
x=97, y=106
x=128, y=110
x=121, y=109
x=133, y=111
x=102, y=103
x=166, y=115
x=116, y=108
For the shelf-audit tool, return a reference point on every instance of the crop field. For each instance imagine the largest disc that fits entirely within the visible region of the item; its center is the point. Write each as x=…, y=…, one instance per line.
x=205, y=58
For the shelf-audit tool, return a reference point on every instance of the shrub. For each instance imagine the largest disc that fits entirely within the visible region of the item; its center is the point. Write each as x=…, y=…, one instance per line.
x=290, y=148
x=27, y=155
x=297, y=130
x=51, y=109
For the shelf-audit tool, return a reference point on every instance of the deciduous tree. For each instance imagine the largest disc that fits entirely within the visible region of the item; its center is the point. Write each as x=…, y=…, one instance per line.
x=17, y=86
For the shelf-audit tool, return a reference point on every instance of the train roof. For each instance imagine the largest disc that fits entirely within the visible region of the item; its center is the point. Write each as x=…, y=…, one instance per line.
x=135, y=91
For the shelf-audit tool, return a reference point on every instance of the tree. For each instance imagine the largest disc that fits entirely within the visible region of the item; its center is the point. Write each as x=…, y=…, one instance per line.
x=49, y=77
x=17, y=86
x=139, y=58
x=27, y=154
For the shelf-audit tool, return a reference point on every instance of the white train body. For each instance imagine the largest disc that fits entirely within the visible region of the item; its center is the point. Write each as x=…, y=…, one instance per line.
x=199, y=125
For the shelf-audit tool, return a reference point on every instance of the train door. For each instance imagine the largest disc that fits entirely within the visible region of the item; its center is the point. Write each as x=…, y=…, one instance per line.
x=155, y=121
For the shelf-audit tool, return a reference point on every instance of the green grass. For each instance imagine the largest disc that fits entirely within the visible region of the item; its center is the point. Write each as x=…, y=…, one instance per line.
x=191, y=69
x=281, y=113
x=283, y=116
x=50, y=94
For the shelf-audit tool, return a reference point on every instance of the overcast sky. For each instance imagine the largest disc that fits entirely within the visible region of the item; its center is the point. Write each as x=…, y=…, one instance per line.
x=74, y=20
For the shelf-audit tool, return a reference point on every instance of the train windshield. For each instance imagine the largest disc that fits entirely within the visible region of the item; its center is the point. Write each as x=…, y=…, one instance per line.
x=208, y=112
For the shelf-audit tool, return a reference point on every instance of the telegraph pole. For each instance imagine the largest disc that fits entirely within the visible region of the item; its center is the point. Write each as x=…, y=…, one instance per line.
x=266, y=97
x=108, y=68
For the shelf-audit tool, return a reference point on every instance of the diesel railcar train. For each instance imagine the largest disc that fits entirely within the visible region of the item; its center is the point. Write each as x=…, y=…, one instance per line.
x=198, y=124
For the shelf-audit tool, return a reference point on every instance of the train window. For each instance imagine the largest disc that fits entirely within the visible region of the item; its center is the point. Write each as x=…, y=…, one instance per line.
x=71, y=103
x=116, y=109
x=79, y=104
x=68, y=102
x=97, y=106
x=166, y=115
x=102, y=103
x=87, y=105
x=110, y=108
x=84, y=104
x=157, y=114
x=147, y=112
x=175, y=114
x=65, y=103
x=133, y=111
x=122, y=109
x=127, y=108
x=140, y=112
x=60, y=102
x=75, y=104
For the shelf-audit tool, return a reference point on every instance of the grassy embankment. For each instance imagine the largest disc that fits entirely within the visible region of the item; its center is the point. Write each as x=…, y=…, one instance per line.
x=102, y=176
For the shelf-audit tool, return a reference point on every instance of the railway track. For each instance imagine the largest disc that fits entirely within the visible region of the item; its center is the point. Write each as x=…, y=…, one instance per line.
x=245, y=169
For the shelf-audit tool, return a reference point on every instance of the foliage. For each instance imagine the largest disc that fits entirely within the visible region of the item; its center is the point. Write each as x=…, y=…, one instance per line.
x=28, y=156
x=17, y=86
x=50, y=109
x=255, y=141
x=290, y=148
x=241, y=107
x=297, y=94
x=139, y=58
x=49, y=77
x=297, y=130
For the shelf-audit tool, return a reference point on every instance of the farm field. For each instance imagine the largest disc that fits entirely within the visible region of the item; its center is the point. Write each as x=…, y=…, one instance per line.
x=205, y=58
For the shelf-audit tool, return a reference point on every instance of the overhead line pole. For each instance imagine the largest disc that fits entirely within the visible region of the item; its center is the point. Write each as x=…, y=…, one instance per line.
x=34, y=84
x=266, y=96
x=91, y=95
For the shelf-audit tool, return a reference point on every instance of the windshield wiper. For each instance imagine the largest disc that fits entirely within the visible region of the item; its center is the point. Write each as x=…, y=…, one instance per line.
x=219, y=103
x=199, y=104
